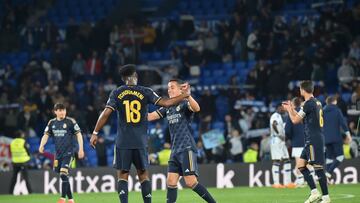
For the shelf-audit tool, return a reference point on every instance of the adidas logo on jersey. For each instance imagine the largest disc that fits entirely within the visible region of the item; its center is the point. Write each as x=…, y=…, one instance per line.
x=187, y=171
x=122, y=192
x=148, y=196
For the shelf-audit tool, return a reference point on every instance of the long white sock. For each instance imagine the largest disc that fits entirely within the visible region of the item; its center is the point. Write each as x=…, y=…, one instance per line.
x=299, y=177
x=312, y=172
x=287, y=173
x=276, y=173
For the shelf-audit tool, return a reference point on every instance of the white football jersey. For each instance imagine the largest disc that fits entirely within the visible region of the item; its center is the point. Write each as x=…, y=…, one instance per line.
x=280, y=125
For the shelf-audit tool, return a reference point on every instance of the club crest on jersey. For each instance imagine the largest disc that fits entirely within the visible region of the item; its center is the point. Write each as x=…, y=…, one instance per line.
x=178, y=108
x=53, y=126
x=64, y=126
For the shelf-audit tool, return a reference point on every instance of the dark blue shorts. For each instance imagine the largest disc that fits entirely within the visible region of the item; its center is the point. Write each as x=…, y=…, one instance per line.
x=334, y=150
x=123, y=158
x=314, y=154
x=184, y=163
x=63, y=162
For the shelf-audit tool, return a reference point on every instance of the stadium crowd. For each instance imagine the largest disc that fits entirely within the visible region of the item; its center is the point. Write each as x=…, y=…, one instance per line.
x=75, y=65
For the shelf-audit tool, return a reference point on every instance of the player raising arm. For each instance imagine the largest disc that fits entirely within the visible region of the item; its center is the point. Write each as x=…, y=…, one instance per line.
x=131, y=103
x=183, y=159
x=313, y=152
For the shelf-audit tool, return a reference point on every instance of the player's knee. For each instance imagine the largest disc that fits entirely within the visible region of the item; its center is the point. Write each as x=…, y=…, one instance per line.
x=171, y=182
x=302, y=168
x=143, y=175
x=190, y=182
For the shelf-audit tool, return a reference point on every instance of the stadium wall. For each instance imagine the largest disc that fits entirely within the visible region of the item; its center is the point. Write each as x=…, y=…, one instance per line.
x=87, y=180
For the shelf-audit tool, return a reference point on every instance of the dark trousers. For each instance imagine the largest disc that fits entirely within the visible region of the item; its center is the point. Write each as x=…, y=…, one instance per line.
x=17, y=168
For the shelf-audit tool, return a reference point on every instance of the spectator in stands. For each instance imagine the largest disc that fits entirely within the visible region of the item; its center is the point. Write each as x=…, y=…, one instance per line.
x=149, y=33
x=345, y=74
x=207, y=103
x=93, y=65
x=265, y=153
x=7, y=73
x=156, y=137
x=115, y=36
x=101, y=152
x=253, y=44
x=252, y=153
x=211, y=42
x=238, y=42
x=236, y=149
x=78, y=67
x=354, y=51
x=55, y=75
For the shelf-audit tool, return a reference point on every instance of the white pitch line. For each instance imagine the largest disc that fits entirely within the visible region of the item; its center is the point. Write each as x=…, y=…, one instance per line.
x=342, y=196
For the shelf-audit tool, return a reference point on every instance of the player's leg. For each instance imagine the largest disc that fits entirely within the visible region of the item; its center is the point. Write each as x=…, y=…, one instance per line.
x=296, y=153
x=140, y=160
x=172, y=181
x=190, y=172
x=275, y=169
x=287, y=167
x=338, y=157
x=174, y=172
x=122, y=185
x=302, y=166
x=318, y=161
x=122, y=162
x=64, y=165
x=65, y=185
x=299, y=176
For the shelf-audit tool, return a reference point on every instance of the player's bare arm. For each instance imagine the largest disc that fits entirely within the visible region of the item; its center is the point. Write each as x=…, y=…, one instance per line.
x=43, y=142
x=81, y=145
x=103, y=118
x=294, y=116
x=193, y=104
x=167, y=102
x=153, y=116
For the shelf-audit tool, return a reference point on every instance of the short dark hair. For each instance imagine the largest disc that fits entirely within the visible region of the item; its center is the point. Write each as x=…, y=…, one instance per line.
x=330, y=99
x=127, y=70
x=177, y=80
x=58, y=106
x=307, y=86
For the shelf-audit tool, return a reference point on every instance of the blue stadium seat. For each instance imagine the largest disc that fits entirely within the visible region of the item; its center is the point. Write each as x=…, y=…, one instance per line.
x=346, y=97
x=240, y=65
x=227, y=66
x=218, y=73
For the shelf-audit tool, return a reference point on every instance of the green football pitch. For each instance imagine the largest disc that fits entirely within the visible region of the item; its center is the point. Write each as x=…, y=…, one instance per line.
x=338, y=193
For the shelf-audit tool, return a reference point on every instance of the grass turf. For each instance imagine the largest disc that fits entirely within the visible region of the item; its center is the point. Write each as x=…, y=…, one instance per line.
x=338, y=194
